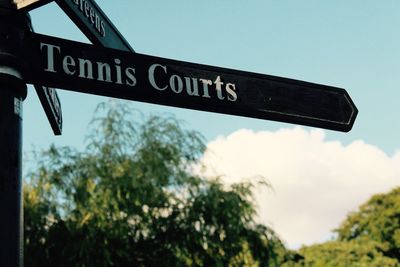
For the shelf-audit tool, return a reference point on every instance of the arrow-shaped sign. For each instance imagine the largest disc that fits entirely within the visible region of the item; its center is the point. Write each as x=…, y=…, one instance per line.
x=86, y=68
x=52, y=106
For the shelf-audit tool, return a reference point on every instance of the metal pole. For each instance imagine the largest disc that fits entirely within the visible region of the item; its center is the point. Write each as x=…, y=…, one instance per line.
x=13, y=27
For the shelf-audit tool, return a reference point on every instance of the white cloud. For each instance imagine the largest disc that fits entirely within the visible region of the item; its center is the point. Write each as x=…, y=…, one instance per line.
x=315, y=182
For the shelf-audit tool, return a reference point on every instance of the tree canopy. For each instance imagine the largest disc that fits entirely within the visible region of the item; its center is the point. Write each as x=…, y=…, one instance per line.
x=368, y=237
x=131, y=198
x=354, y=253
x=377, y=220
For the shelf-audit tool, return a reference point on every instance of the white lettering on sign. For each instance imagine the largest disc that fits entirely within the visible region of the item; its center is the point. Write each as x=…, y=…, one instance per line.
x=191, y=85
x=50, y=56
x=85, y=68
x=89, y=12
x=159, y=76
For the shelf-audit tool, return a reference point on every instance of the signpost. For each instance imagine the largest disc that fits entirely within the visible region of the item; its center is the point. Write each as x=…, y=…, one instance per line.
x=111, y=68
x=89, y=69
x=12, y=93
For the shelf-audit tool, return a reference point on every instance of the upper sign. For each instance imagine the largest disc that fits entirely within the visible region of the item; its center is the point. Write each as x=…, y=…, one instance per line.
x=92, y=21
x=102, y=71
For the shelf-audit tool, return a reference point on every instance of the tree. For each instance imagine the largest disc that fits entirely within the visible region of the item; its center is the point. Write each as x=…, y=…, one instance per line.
x=355, y=253
x=368, y=237
x=131, y=198
x=377, y=220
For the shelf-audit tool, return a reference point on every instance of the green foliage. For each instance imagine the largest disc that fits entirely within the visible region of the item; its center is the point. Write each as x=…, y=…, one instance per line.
x=368, y=237
x=377, y=220
x=132, y=199
x=355, y=253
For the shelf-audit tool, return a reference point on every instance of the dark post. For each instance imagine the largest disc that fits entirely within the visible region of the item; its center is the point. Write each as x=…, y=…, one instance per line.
x=13, y=27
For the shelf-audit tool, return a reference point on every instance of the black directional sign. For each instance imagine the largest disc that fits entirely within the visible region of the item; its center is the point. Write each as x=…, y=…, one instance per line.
x=86, y=68
x=92, y=21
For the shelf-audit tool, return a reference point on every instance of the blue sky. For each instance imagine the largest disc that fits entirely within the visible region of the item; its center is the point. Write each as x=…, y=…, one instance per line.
x=349, y=44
